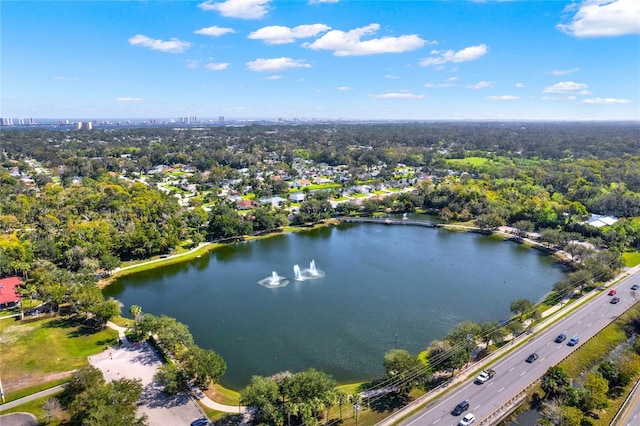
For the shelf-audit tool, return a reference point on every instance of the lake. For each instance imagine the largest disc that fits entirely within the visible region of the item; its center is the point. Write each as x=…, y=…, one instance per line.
x=384, y=286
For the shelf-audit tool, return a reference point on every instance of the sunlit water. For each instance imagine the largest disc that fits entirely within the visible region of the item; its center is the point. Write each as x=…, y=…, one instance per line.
x=380, y=282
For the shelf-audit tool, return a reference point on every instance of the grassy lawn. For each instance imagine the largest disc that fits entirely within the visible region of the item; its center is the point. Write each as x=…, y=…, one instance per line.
x=631, y=258
x=223, y=395
x=35, y=407
x=594, y=350
x=473, y=161
x=38, y=352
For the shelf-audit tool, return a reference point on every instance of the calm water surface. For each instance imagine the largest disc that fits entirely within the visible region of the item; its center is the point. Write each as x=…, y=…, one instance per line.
x=381, y=282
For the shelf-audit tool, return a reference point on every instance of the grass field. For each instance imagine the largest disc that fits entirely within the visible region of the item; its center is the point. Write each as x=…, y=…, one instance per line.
x=39, y=352
x=631, y=258
x=472, y=161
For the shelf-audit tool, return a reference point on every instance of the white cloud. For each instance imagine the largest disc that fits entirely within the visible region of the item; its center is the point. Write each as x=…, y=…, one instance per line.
x=519, y=85
x=564, y=72
x=274, y=77
x=390, y=76
x=58, y=77
x=243, y=9
x=172, y=46
x=193, y=63
x=452, y=79
x=558, y=98
x=276, y=64
x=605, y=101
x=350, y=44
x=277, y=34
x=565, y=87
x=604, y=18
x=128, y=99
x=343, y=88
x=470, y=53
x=397, y=96
x=481, y=85
x=438, y=85
x=502, y=98
x=217, y=67
x=214, y=31
x=322, y=1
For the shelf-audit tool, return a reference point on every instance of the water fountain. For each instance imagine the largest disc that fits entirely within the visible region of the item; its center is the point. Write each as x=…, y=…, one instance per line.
x=311, y=273
x=297, y=275
x=274, y=281
x=312, y=268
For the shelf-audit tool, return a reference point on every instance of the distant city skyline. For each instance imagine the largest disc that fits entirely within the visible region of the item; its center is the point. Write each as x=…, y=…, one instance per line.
x=320, y=60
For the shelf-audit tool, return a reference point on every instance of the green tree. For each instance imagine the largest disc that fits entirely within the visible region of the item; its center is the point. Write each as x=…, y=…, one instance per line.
x=203, y=365
x=136, y=311
x=173, y=378
x=113, y=403
x=521, y=307
x=404, y=368
x=105, y=310
x=571, y=416
x=554, y=382
x=262, y=395
x=595, y=396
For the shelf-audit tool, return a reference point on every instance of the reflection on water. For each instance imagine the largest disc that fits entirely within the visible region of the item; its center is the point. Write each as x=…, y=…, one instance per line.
x=381, y=281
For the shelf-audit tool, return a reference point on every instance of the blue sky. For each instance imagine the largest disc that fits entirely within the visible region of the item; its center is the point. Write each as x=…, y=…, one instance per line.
x=321, y=59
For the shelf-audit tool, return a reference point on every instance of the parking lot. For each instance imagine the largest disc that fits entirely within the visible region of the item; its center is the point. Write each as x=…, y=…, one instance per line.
x=141, y=361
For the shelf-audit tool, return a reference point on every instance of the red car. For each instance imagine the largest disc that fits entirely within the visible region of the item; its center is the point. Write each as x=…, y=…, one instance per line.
x=612, y=292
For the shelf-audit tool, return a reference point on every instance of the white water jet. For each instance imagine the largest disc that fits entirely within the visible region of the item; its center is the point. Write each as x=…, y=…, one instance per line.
x=274, y=281
x=312, y=268
x=310, y=273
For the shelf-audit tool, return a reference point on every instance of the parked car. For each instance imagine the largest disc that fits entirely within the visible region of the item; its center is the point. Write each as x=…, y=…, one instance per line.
x=467, y=420
x=574, y=341
x=202, y=421
x=615, y=300
x=561, y=338
x=532, y=357
x=463, y=406
x=612, y=293
x=634, y=287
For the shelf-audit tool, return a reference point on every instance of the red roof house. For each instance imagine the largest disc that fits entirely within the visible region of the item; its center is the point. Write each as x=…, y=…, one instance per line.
x=8, y=295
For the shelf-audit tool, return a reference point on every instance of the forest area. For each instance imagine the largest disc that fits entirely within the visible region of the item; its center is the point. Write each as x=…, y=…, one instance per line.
x=77, y=204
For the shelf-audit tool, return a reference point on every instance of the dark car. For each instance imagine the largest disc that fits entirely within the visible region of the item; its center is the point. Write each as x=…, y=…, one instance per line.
x=532, y=357
x=615, y=300
x=561, y=338
x=200, y=422
x=634, y=287
x=574, y=341
x=463, y=406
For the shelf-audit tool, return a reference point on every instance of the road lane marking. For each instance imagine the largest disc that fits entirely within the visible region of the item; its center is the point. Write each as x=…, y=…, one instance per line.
x=501, y=389
x=476, y=408
x=489, y=384
x=579, y=322
x=543, y=359
x=548, y=343
x=523, y=373
x=437, y=420
x=512, y=368
x=589, y=325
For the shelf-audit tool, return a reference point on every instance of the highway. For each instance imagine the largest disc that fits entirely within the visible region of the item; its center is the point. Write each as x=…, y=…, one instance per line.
x=514, y=374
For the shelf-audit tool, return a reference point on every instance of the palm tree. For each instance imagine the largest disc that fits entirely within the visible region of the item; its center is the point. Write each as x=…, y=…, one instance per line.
x=30, y=290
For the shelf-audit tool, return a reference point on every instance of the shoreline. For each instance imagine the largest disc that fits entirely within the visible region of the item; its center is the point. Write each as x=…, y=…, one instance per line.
x=204, y=248
x=201, y=249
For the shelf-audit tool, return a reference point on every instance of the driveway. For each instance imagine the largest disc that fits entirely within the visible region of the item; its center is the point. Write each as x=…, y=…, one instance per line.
x=140, y=360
